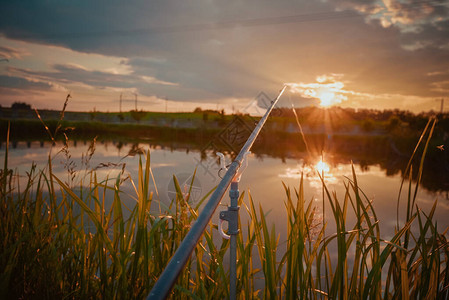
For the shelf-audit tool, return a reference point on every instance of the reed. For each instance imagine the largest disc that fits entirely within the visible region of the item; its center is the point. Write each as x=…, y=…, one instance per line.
x=61, y=239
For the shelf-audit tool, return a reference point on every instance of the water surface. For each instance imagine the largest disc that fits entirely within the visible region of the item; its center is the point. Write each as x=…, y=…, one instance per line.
x=262, y=179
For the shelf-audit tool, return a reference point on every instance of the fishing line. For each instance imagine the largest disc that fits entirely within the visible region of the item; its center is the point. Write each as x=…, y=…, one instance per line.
x=300, y=127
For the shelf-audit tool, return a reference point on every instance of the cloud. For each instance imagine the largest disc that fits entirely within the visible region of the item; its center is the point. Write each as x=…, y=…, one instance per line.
x=330, y=90
x=441, y=86
x=12, y=82
x=422, y=24
x=9, y=52
x=431, y=35
x=326, y=89
x=395, y=12
x=407, y=13
x=71, y=74
x=20, y=89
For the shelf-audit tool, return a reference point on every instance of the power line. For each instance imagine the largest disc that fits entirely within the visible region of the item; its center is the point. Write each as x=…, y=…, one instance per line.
x=197, y=27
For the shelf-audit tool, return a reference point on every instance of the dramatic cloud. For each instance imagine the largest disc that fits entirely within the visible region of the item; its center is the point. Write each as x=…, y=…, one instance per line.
x=423, y=23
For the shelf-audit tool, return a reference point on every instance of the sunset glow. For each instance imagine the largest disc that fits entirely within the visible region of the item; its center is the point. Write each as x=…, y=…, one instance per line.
x=328, y=90
x=178, y=57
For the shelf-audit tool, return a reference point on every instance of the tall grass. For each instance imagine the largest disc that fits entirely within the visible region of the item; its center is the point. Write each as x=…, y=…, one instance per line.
x=58, y=243
x=62, y=240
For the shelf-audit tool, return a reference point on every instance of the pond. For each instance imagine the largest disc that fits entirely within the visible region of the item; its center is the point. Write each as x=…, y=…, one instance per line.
x=263, y=178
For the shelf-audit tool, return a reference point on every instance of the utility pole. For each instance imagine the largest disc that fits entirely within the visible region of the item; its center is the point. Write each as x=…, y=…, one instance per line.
x=166, y=104
x=120, y=102
x=442, y=104
x=135, y=94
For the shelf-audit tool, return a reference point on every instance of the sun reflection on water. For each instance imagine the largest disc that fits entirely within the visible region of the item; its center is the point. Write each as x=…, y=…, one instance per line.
x=322, y=166
x=312, y=173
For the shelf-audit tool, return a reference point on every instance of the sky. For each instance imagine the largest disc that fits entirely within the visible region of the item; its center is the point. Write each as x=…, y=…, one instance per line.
x=176, y=55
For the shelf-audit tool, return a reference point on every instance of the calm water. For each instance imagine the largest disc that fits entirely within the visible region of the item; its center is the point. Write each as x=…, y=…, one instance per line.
x=263, y=178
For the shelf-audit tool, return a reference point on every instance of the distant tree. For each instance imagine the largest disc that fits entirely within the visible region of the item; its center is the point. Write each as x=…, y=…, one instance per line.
x=198, y=110
x=138, y=115
x=393, y=123
x=220, y=118
x=93, y=114
x=21, y=106
x=368, y=125
x=276, y=112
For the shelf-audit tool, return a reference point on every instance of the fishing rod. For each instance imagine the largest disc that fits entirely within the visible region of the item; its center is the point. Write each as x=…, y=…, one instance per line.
x=167, y=279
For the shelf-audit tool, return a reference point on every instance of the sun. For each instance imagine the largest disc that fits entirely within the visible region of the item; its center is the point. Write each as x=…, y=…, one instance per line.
x=326, y=99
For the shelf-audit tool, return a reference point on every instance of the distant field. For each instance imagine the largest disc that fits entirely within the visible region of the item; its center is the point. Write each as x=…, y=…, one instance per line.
x=313, y=120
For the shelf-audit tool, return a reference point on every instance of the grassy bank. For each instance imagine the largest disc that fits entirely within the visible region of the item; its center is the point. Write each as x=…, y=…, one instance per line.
x=33, y=130
x=60, y=240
